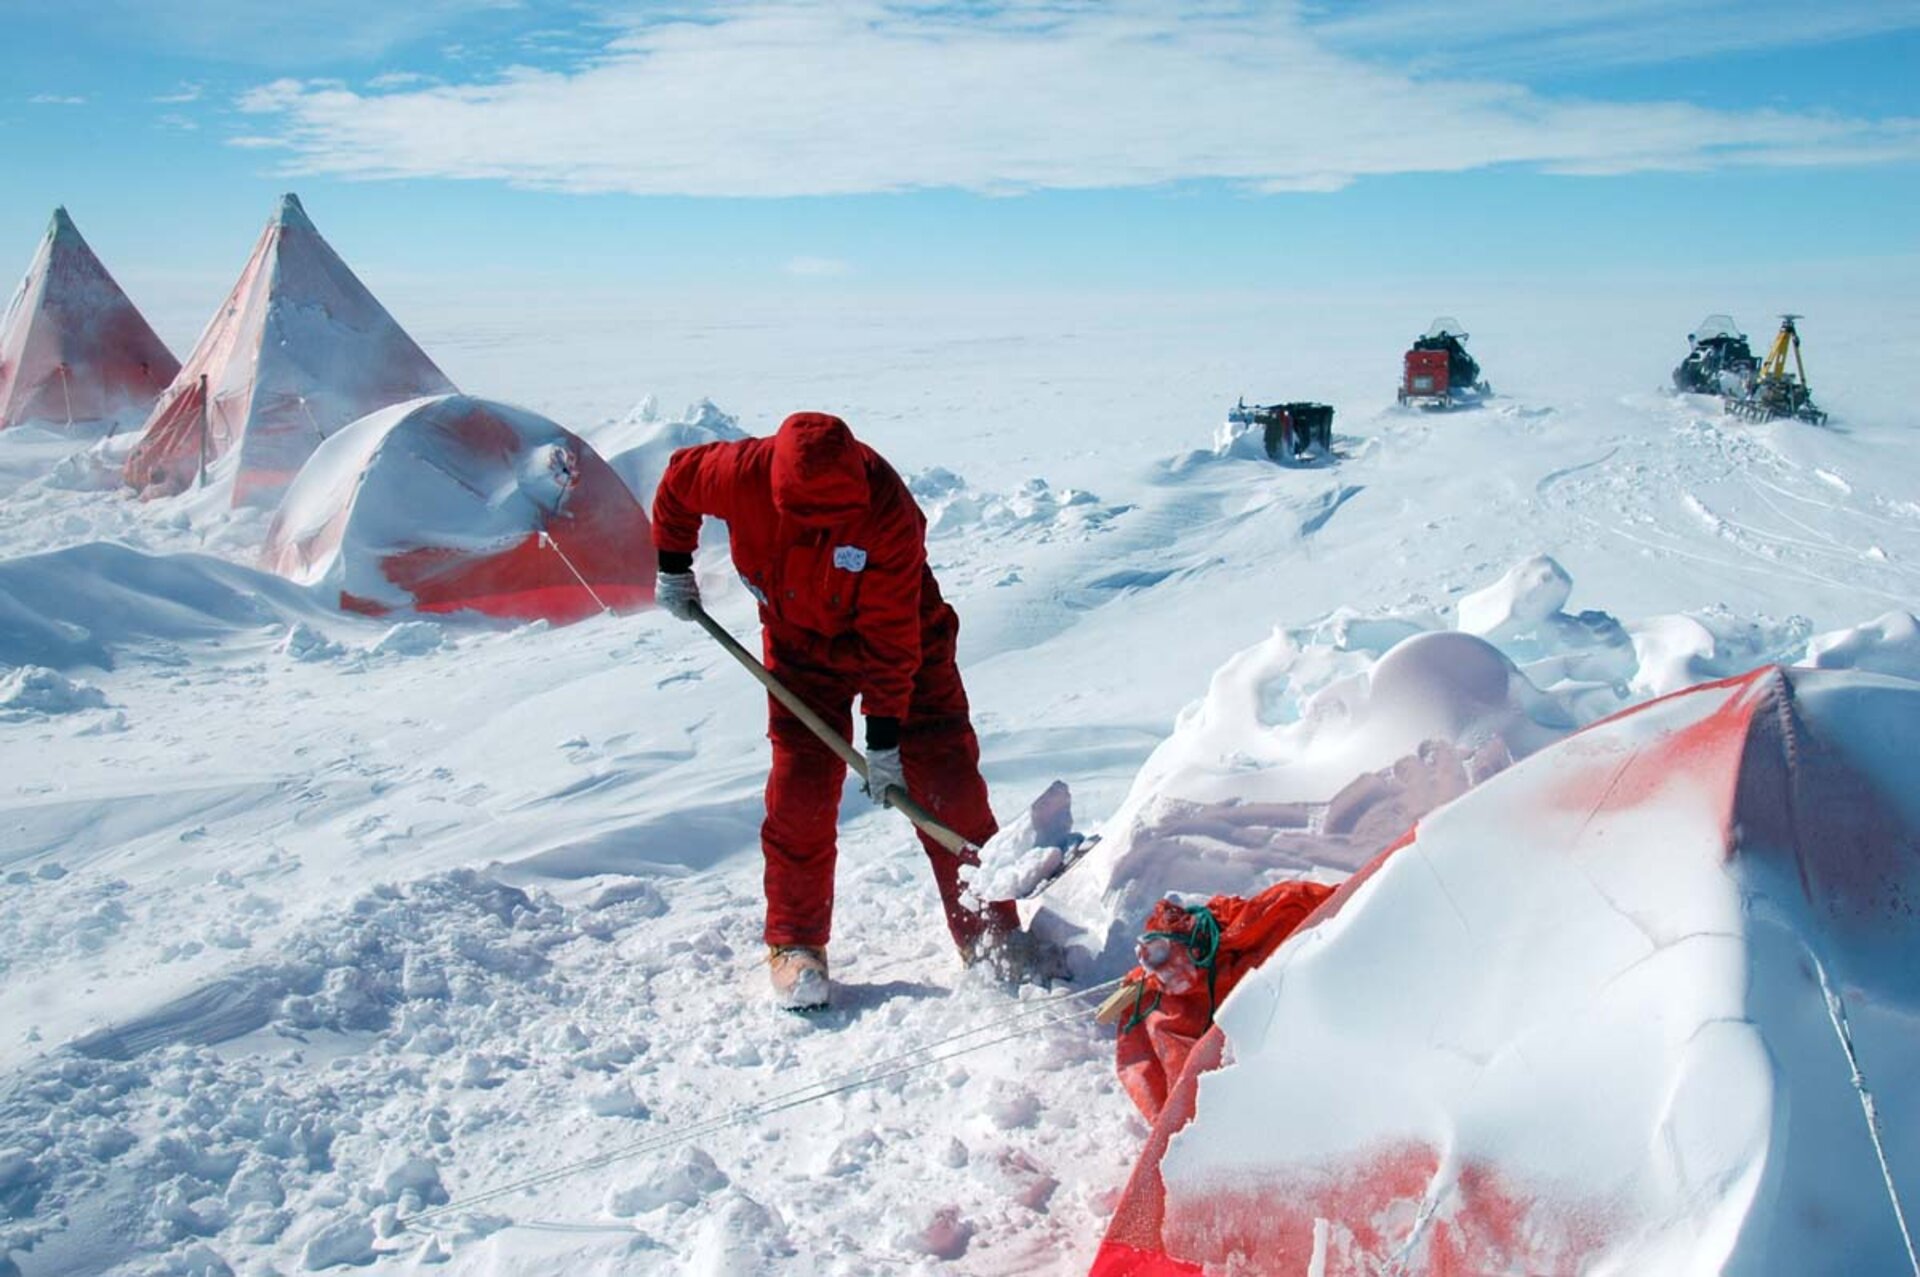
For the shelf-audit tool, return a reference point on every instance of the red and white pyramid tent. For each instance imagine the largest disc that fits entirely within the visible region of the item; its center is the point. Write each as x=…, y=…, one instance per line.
x=73, y=350
x=455, y=504
x=1648, y=1002
x=299, y=349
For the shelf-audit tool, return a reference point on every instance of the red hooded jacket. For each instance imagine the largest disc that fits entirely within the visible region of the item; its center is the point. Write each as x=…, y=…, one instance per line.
x=828, y=539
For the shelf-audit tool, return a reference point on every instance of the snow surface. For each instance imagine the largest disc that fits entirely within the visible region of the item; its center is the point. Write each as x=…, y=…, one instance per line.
x=316, y=920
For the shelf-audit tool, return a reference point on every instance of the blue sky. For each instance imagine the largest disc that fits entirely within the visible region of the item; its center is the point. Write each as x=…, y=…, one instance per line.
x=933, y=147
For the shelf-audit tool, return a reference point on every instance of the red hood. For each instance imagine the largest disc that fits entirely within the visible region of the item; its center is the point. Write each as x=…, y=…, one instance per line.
x=819, y=470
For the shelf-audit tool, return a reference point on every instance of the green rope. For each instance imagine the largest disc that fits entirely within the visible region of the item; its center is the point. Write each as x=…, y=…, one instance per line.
x=1140, y=1010
x=1203, y=941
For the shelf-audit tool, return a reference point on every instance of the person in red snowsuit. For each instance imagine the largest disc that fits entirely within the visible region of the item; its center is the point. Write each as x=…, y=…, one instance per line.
x=831, y=544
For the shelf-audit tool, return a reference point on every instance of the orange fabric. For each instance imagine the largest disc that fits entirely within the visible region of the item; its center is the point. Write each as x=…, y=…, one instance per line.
x=1150, y=1054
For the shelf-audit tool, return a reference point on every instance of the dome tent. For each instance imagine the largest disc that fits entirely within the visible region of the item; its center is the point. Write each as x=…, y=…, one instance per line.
x=73, y=350
x=299, y=349
x=1643, y=1003
x=450, y=503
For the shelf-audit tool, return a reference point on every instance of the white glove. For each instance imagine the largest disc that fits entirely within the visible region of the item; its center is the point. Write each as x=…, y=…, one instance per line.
x=678, y=593
x=883, y=770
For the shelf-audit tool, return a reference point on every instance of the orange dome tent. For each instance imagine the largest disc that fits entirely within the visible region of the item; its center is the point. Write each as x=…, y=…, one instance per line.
x=453, y=504
x=1646, y=1002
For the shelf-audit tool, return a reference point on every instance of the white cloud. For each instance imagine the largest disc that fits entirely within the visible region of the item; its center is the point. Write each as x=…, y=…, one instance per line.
x=56, y=99
x=1525, y=36
x=187, y=92
x=177, y=121
x=816, y=267
x=787, y=99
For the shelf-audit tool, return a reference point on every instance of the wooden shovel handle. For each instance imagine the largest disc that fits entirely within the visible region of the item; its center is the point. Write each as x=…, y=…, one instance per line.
x=895, y=797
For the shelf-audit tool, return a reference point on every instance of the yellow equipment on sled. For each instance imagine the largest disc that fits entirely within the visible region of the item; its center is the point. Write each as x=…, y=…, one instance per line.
x=1775, y=392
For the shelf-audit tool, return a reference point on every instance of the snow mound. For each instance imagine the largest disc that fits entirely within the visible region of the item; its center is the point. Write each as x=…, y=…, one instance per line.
x=1644, y=1003
x=1318, y=746
x=32, y=692
x=1889, y=645
x=1036, y=510
x=82, y=605
x=639, y=444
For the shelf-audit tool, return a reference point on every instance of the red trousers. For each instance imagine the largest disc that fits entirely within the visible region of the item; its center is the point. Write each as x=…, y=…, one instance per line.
x=938, y=751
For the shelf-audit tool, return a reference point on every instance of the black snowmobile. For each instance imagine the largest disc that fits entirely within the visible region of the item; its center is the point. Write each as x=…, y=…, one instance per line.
x=1719, y=361
x=1290, y=431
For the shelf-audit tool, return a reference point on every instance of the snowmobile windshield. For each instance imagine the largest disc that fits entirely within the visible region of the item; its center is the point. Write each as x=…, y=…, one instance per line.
x=1446, y=326
x=1716, y=326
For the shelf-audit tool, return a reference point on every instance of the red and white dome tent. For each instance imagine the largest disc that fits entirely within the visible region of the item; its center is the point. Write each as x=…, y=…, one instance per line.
x=1648, y=1002
x=299, y=349
x=73, y=350
x=451, y=504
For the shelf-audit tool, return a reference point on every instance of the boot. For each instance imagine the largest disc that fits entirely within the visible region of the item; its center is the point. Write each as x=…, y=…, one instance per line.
x=799, y=973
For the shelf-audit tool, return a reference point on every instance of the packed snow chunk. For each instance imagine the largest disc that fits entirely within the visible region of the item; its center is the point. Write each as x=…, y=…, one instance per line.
x=302, y=642
x=946, y=1235
x=1889, y=645
x=639, y=445
x=1528, y=595
x=1248, y=739
x=639, y=895
x=345, y=1241
x=299, y=349
x=1028, y=849
x=410, y=638
x=740, y=1238
x=33, y=691
x=1587, y=660
x=1675, y=652
x=412, y=1180
x=1036, y=510
x=455, y=504
x=616, y=1100
x=687, y=1180
x=1599, y=1014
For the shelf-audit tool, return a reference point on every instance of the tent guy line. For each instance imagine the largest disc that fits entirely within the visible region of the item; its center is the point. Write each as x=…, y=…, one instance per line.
x=1837, y=1015
x=1033, y=1016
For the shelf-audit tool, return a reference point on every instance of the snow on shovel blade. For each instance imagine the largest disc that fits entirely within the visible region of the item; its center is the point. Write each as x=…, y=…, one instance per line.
x=1032, y=851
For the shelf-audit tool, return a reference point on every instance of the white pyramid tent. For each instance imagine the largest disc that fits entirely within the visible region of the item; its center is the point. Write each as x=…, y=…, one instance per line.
x=299, y=349
x=73, y=350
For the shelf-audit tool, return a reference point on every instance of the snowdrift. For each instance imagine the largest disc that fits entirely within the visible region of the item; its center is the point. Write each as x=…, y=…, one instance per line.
x=452, y=503
x=639, y=445
x=299, y=349
x=1645, y=1002
x=1317, y=747
x=73, y=350
x=89, y=604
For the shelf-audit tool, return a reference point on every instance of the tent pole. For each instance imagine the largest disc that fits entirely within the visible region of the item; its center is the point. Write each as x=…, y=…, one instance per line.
x=206, y=426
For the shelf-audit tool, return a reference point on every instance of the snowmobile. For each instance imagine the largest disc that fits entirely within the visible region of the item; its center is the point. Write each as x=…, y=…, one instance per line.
x=1439, y=373
x=1292, y=430
x=1776, y=392
x=1718, y=362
